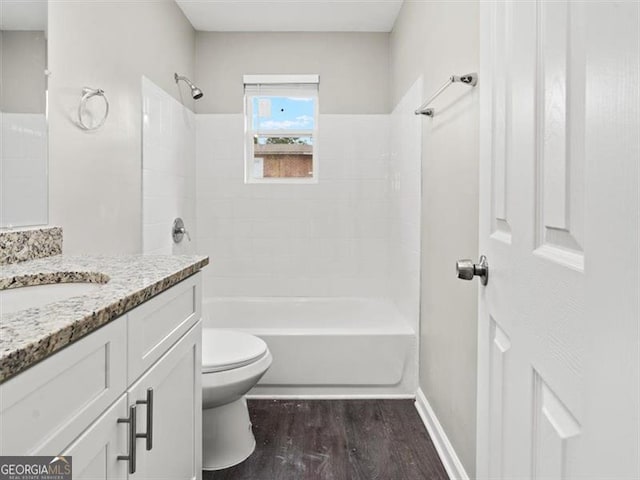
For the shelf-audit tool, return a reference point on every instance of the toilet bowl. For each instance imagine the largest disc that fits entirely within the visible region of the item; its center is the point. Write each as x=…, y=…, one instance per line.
x=232, y=363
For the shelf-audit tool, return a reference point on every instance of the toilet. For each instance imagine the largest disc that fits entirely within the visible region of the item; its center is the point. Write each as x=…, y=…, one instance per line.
x=232, y=363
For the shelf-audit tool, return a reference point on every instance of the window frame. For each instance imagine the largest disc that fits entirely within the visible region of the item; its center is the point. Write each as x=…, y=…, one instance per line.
x=290, y=86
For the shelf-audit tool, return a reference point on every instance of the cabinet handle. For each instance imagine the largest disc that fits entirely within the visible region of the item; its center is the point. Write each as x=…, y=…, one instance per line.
x=149, y=433
x=131, y=457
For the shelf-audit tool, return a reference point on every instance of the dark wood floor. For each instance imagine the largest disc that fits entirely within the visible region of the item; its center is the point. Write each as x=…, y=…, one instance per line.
x=337, y=440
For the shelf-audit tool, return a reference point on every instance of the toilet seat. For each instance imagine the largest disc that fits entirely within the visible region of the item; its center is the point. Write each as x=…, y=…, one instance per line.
x=224, y=350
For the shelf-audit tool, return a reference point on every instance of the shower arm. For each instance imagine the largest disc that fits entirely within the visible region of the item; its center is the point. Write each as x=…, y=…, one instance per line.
x=184, y=79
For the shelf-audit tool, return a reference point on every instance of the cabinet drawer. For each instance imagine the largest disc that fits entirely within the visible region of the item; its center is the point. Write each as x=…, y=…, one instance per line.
x=158, y=323
x=44, y=408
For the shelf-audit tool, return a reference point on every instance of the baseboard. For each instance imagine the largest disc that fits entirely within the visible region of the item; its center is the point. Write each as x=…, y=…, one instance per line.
x=390, y=396
x=450, y=460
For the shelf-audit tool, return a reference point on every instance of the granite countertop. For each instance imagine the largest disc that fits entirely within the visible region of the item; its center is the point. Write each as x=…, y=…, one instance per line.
x=28, y=336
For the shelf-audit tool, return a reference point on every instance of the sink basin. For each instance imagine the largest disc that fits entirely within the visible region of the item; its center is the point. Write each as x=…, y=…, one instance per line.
x=16, y=299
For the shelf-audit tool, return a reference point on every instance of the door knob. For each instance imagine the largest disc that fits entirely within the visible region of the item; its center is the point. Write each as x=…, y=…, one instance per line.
x=466, y=269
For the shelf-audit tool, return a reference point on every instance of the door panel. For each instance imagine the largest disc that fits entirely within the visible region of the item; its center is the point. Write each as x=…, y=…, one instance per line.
x=554, y=427
x=501, y=131
x=560, y=132
x=499, y=355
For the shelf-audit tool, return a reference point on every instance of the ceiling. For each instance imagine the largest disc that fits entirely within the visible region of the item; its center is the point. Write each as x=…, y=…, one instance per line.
x=23, y=15
x=291, y=15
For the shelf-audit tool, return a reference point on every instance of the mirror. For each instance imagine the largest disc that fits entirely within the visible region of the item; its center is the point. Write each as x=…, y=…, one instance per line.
x=23, y=113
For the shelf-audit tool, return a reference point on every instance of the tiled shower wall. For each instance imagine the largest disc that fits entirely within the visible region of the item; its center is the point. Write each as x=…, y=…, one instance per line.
x=168, y=171
x=316, y=240
x=23, y=169
x=405, y=203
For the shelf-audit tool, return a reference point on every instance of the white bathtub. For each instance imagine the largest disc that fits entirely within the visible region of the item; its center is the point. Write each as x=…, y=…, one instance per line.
x=325, y=346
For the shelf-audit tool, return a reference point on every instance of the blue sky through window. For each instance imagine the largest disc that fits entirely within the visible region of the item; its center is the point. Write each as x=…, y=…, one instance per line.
x=285, y=113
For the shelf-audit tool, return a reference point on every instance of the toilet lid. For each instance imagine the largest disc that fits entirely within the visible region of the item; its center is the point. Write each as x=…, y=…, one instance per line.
x=227, y=349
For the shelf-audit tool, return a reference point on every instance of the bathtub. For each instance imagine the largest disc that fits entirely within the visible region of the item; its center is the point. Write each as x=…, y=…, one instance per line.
x=329, y=347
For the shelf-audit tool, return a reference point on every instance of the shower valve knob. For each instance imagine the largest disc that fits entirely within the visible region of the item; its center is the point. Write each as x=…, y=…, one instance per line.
x=179, y=231
x=466, y=269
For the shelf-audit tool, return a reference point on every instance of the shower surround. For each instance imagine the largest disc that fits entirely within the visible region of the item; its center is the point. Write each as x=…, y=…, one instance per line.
x=319, y=271
x=326, y=273
x=168, y=171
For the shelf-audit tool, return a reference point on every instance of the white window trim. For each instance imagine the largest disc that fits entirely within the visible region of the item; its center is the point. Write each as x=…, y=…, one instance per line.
x=280, y=79
x=279, y=83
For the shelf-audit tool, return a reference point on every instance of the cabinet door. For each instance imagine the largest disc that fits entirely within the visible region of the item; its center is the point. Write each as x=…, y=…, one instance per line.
x=95, y=452
x=176, y=414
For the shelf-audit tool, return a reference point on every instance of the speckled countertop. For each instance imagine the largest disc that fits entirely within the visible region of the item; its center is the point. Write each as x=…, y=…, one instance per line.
x=28, y=336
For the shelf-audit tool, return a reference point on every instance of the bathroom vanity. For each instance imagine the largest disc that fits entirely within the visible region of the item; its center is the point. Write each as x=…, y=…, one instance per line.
x=111, y=378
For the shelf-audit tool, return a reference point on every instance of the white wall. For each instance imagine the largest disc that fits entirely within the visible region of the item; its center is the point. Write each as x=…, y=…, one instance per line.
x=168, y=171
x=436, y=40
x=23, y=169
x=325, y=239
x=353, y=67
x=95, y=177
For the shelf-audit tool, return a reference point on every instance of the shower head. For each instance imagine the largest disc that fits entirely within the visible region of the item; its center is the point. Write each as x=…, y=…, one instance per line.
x=196, y=93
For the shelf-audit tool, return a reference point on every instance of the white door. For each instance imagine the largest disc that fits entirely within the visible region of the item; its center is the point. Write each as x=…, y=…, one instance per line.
x=95, y=454
x=176, y=446
x=559, y=364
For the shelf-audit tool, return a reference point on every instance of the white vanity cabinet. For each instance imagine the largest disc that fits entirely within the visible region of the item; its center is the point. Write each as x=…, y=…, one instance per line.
x=146, y=363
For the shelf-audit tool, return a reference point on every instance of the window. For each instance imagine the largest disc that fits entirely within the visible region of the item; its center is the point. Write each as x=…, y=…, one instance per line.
x=281, y=126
